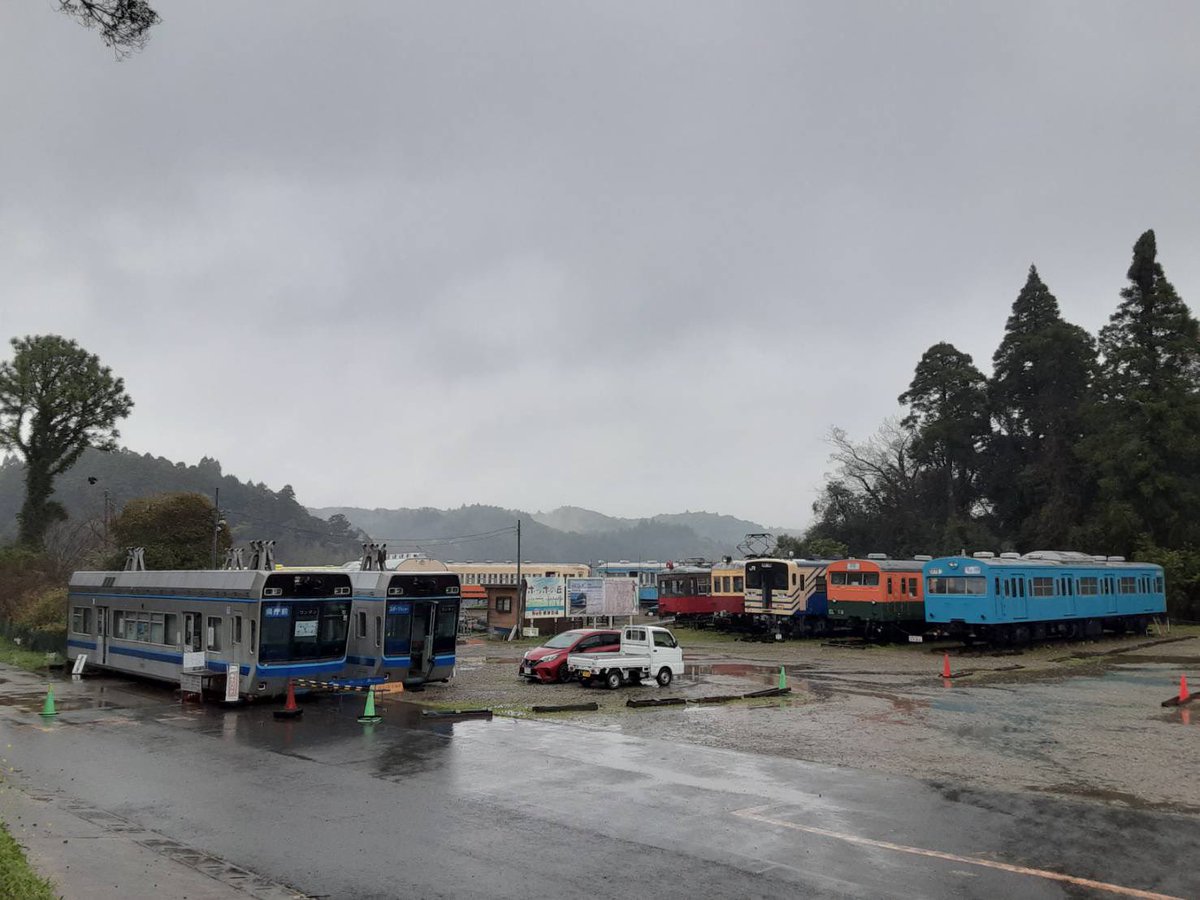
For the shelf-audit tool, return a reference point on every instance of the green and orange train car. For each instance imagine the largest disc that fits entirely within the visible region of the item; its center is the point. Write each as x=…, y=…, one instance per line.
x=877, y=596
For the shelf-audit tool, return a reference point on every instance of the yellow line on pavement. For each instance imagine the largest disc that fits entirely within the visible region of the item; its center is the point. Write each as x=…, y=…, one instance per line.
x=755, y=813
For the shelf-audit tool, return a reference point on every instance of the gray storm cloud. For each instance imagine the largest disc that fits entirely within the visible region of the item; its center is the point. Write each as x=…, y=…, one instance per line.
x=634, y=257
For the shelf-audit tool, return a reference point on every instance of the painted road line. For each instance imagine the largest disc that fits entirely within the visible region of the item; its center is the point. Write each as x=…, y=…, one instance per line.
x=755, y=813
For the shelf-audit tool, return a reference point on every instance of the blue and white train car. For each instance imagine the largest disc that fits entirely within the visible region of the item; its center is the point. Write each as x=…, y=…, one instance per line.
x=270, y=626
x=1046, y=593
x=404, y=623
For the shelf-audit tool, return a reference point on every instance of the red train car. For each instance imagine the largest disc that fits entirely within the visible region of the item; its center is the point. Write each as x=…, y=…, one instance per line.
x=700, y=591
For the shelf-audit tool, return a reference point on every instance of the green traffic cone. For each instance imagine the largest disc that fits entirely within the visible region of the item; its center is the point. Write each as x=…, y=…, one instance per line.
x=782, y=679
x=48, y=711
x=369, y=715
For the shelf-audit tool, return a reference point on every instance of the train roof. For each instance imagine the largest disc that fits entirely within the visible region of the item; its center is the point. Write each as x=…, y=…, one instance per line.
x=193, y=579
x=1049, y=559
x=884, y=565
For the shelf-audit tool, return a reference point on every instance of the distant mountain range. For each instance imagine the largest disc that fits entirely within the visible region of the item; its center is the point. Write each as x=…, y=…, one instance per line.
x=566, y=534
x=335, y=534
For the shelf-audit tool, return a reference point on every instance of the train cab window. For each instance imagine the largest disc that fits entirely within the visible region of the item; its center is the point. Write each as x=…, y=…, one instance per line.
x=81, y=620
x=1158, y=584
x=837, y=578
x=871, y=579
x=213, y=633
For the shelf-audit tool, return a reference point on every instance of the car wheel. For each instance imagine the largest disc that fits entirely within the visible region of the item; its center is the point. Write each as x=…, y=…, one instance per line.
x=664, y=677
x=564, y=674
x=613, y=679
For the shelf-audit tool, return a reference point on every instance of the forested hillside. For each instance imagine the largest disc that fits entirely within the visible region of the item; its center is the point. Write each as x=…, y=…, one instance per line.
x=252, y=510
x=486, y=532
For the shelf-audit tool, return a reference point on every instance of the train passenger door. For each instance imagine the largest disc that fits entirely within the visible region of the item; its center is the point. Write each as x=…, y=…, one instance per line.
x=102, y=635
x=193, y=632
x=422, y=636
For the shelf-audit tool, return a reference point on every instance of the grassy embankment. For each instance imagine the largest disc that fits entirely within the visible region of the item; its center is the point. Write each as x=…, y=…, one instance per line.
x=30, y=660
x=17, y=877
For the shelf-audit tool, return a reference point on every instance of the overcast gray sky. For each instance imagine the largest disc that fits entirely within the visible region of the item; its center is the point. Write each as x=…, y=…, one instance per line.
x=632, y=256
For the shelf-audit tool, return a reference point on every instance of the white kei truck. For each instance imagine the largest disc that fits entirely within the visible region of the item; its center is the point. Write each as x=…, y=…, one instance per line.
x=647, y=651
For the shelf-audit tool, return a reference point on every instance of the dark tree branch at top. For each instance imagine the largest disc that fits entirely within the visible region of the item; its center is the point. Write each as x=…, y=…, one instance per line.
x=124, y=25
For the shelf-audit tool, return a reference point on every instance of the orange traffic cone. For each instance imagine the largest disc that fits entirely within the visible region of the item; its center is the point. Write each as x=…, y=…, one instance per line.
x=290, y=709
x=1183, y=691
x=945, y=665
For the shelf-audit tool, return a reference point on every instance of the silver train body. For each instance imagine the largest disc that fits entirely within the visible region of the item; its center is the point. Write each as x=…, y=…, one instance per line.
x=271, y=625
x=404, y=623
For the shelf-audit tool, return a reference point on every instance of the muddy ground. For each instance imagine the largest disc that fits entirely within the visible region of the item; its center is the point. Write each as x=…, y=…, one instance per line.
x=1079, y=719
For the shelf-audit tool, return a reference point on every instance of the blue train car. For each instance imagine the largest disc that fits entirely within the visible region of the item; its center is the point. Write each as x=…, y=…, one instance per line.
x=1046, y=593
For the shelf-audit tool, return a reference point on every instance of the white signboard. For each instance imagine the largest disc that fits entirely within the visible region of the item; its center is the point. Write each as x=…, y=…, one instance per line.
x=545, y=596
x=190, y=684
x=306, y=628
x=233, y=678
x=193, y=660
x=620, y=597
x=80, y=660
x=585, y=597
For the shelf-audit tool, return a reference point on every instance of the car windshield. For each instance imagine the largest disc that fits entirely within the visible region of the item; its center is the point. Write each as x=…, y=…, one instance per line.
x=561, y=641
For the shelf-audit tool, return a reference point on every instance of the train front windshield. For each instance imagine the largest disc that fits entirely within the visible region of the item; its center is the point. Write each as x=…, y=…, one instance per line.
x=304, y=617
x=303, y=630
x=411, y=594
x=764, y=575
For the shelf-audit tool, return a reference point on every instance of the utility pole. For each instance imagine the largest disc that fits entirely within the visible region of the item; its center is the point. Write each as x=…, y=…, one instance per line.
x=520, y=588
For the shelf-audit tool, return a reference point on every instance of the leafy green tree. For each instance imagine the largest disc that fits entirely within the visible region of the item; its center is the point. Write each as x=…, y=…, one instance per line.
x=56, y=400
x=1145, y=440
x=176, y=531
x=948, y=417
x=1042, y=374
x=808, y=547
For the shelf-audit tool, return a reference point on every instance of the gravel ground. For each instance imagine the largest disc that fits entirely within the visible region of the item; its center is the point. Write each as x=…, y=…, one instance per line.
x=1076, y=719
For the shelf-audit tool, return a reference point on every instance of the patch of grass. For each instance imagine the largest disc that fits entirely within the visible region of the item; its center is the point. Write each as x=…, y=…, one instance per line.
x=17, y=877
x=12, y=655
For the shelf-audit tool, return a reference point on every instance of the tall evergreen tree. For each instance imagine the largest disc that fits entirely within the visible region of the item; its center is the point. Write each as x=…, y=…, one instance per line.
x=949, y=419
x=1146, y=444
x=1042, y=374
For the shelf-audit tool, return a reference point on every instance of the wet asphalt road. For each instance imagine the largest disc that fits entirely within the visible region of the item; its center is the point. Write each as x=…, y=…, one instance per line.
x=509, y=808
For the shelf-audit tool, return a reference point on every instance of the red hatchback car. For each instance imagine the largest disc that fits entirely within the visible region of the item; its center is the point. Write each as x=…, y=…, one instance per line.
x=548, y=662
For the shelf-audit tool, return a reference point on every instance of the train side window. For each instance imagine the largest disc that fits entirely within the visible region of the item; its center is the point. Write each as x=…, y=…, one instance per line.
x=237, y=629
x=997, y=587
x=379, y=631
x=1007, y=587
x=801, y=580
x=912, y=587
x=361, y=629
x=738, y=582
x=889, y=587
x=81, y=620
x=793, y=579
x=1158, y=584
x=1021, y=586
x=253, y=629
x=213, y=636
